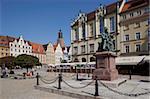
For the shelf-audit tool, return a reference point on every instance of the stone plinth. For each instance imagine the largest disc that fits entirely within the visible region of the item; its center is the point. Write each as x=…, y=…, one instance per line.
x=105, y=66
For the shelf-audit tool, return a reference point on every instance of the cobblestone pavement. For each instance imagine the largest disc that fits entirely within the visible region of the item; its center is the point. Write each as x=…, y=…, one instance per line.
x=24, y=89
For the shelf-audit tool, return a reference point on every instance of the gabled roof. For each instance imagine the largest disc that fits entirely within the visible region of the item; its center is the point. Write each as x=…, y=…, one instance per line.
x=134, y=4
x=37, y=48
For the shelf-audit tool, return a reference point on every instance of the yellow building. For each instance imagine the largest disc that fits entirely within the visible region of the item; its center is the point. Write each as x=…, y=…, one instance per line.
x=4, y=51
x=134, y=28
x=4, y=46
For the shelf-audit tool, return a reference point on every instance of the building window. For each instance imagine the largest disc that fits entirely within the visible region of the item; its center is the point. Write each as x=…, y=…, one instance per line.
x=83, y=49
x=83, y=60
x=19, y=50
x=124, y=17
x=23, y=51
x=26, y=51
x=11, y=45
x=92, y=59
x=6, y=54
x=138, y=47
x=2, y=49
x=83, y=30
x=2, y=54
x=15, y=45
x=19, y=45
x=76, y=34
x=91, y=47
x=26, y=47
x=131, y=14
x=11, y=54
x=22, y=46
x=15, y=50
x=138, y=12
x=127, y=37
x=91, y=30
x=136, y=25
x=138, y=37
x=6, y=49
x=112, y=24
x=101, y=25
x=75, y=50
x=127, y=48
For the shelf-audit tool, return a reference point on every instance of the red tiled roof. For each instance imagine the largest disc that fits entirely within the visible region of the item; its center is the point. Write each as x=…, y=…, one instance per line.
x=37, y=48
x=133, y=4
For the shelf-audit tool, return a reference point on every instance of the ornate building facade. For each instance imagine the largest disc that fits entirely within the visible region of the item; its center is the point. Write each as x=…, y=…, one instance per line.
x=58, y=54
x=20, y=46
x=134, y=24
x=50, y=54
x=86, y=29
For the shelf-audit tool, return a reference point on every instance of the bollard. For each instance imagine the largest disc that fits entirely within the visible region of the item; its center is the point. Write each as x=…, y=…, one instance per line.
x=37, y=76
x=59, y=81
x=130, y=73
x=96, y=87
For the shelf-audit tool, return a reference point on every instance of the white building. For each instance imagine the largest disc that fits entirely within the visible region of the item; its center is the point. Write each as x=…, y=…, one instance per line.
x=20, y=46
x=58, y=54
x=50, y=54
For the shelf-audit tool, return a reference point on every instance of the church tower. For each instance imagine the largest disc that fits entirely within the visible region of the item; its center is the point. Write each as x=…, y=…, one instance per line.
x=60, y=39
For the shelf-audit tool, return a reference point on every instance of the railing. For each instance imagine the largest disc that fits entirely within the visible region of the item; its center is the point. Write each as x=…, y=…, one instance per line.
x=60, y=79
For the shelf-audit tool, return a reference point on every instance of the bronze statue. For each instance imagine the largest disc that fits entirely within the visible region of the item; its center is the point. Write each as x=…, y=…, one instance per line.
x=107, y=42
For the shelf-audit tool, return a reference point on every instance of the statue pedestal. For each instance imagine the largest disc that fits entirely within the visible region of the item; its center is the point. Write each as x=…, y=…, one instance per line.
x=105, y=66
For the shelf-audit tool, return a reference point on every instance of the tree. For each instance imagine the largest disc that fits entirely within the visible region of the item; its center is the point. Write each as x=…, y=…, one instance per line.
x=7, y=62
x=26, y=61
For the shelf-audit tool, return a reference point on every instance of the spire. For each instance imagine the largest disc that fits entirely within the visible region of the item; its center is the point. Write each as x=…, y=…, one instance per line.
x=60, y=34
x=60, y=39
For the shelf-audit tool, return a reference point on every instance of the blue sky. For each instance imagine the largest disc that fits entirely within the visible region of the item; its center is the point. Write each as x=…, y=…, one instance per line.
x=40, y=20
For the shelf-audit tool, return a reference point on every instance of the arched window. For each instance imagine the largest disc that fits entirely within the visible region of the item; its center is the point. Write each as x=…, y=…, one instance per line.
x=83, y=60
x=76, y=60
x=92, y=59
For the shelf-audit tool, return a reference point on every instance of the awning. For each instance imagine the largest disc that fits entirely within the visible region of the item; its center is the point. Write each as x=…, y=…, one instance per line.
x=132, y=60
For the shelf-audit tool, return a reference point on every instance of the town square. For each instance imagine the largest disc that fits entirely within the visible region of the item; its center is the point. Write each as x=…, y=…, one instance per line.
x=74, y=49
